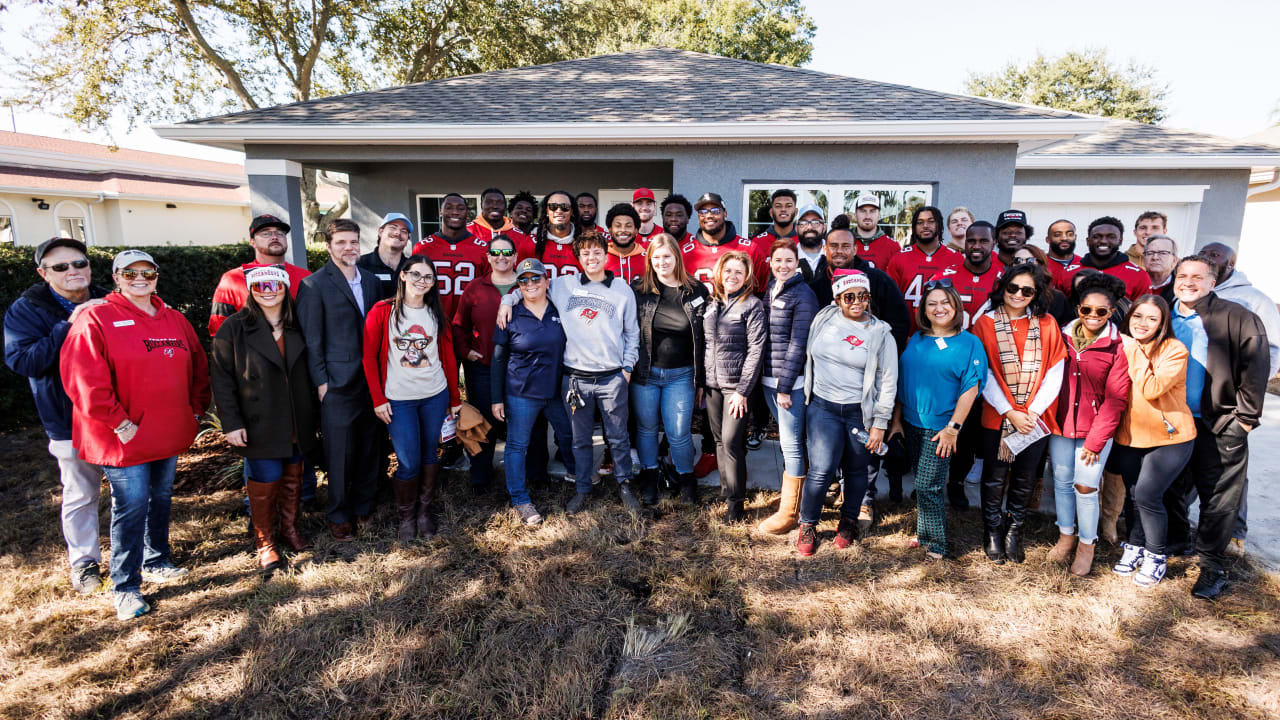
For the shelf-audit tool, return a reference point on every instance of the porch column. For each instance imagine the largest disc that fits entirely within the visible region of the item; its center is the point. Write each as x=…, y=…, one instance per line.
x=275, y=188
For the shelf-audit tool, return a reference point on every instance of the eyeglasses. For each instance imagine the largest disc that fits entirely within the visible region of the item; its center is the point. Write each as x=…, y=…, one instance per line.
x=1099, y=312
x=501, y=253
x=63, y=267
x=267, y=286
x=403, y=344
x=811, y=223
x=561, y=207
x=1155, y=253
x=130, y=273
x=415, y=276
x=940, y=283
x=711, y=211
x=269, y=234
x=851, y=298
x=1027, y=291
x=529, y=279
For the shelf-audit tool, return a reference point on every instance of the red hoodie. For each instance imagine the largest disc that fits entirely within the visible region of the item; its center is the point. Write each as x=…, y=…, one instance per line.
x=1095, y=388
x=119, y=363
x=377, y=349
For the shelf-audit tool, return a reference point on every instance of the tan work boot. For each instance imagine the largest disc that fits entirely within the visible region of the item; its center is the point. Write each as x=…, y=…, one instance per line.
x=1061, y=551
x=1083, y=563
x=786, y=519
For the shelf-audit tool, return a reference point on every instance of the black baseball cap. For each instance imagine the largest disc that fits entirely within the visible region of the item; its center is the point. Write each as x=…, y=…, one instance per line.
x=43, y=248
x=709, y=198
x=263, y=221
x=1011, y=217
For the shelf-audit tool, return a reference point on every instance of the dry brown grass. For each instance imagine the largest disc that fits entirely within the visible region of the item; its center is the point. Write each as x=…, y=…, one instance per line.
x=493, y=620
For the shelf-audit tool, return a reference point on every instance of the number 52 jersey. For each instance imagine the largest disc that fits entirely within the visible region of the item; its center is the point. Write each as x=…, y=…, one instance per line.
x=456, y=263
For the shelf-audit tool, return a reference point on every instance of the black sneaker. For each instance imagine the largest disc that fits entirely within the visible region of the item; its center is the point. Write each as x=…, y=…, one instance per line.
x=86, y=578
x=1210, y=585
x=575, y=503
x=755, y=439
x=629, y=499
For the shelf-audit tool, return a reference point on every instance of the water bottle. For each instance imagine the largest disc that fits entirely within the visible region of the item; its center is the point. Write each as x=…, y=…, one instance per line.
x=864, y=437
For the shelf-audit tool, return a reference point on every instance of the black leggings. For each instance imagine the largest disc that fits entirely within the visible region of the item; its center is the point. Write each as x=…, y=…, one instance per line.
x=1147, y=474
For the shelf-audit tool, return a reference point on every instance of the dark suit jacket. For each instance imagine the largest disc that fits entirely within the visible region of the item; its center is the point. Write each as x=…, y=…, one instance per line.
x=333, y=326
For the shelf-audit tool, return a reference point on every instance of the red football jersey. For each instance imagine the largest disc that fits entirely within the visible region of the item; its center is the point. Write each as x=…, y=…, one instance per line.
x=769, y=237
x=1136, y=280
x=626, y=267
x=456, y=263
x=700, y=259
x=559, y=258
x=879, y=251
x=644, y=238
x=911, y=267
x=525, y=245
x=974, y=289
x=1058, y=272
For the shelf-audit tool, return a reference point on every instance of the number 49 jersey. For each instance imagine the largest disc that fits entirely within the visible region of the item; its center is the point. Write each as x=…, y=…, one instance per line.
x=456, y=263
x=911, y=267
x=974, y=289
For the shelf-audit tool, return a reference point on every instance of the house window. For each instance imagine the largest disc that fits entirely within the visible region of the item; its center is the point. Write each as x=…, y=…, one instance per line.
x=71, y=219
x=6, y=230
x=897, y=202
x=71, y=227
x=429, y=212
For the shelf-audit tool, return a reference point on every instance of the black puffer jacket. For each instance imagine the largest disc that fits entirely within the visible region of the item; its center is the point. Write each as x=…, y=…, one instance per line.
x=789, y=316
x=695, y=303
x=735, y=334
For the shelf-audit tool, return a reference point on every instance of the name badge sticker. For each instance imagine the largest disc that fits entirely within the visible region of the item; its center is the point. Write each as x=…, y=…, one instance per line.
x=942, y=343
x=696, y=302
x=383, y=276
x=122, y=323
x=580, y=292
x=779, y=304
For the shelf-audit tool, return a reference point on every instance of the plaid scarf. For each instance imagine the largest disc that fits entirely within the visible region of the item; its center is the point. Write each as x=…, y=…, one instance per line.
x=1020, y=374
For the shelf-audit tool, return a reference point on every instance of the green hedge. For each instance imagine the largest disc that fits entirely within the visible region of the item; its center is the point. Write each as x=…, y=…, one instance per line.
x=187, y=279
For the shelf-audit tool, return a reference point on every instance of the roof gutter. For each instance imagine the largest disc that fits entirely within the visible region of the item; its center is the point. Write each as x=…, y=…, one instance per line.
x=1161, y=161
x=1035, y=131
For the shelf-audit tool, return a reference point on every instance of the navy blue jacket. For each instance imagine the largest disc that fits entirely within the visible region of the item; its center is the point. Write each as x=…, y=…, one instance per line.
x=528, y=356
x=35, y=326
x=789, y=316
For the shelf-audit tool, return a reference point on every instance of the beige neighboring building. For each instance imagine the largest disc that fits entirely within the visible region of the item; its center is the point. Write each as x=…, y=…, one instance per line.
x=50, y=186
x=1260, y=233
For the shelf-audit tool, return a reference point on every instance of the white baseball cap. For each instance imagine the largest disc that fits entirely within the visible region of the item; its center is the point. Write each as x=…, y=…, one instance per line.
x=866, y=199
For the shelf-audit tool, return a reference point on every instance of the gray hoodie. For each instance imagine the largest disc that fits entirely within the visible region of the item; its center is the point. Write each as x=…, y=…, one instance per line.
x=599, y=320
x=879, y=394
x=1239, y=290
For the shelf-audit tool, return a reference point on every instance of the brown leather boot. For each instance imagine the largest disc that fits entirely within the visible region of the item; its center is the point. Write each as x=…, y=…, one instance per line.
x=1110, y=505
x=262, y=508
x=786, y=519
x=1061, y=550
x=406, y=492
x=426, y=501
x=289, y=507
x=1083, y=563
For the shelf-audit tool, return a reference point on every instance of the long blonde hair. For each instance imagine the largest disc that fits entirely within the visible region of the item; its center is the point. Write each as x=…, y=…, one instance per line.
x=649, y=282
x=717, y=277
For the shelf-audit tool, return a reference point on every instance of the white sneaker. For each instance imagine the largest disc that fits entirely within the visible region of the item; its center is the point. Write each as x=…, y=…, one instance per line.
x=1129, y=562
x=1152, y=572
x=129, y=605
x=163, y=573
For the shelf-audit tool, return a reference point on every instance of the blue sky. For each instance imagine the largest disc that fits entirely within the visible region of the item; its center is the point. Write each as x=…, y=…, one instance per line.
x=1217, y=59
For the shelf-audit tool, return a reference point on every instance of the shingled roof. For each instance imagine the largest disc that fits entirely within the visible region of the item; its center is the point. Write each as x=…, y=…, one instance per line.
x=1128, y=144
x=661, y=85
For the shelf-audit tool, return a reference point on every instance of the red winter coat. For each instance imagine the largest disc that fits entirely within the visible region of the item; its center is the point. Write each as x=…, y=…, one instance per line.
x=1095, y=388
x=377, y=348
x=475, y=319
x=119, y=363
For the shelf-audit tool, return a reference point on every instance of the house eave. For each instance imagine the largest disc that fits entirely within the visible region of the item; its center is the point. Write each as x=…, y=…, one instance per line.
x=1161, y=161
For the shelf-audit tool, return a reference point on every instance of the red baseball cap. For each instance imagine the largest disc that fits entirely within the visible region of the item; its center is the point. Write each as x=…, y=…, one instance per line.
x=642, y=194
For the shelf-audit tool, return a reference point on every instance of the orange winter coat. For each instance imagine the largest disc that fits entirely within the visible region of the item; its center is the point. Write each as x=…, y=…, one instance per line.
x=1159, y=393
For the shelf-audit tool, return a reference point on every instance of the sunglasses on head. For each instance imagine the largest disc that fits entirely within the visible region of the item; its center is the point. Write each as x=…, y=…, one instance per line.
x=850, y=298
x=940, y=283
x=267, y=286
x=501, y=252
x=1026, y=291
x=130, y=273
x=529, y=279
x=63, y=267
x=1086, y=311
x=562, y=207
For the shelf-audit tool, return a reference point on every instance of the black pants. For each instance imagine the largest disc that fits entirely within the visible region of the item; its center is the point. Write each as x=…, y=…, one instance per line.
x=1022, y=479
x=351, y=440
x=1218, y=474
x=896, y=462
x=731, y=445
x=1147, y=475
x=968, y=446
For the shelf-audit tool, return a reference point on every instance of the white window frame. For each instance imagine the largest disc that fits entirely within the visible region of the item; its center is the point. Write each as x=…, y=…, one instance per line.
x=417, y=210
x=84, y=214
x=7, y=211
x=831, y=190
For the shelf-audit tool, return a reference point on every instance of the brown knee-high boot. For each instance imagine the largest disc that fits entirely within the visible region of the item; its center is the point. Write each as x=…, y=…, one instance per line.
x=262, y=509
x=426, y=501
x=289, y=507
x=1110, y=505
x=406, y=493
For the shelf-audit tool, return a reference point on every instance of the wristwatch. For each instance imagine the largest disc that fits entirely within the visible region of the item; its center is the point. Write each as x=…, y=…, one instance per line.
x=627, y=370
x=955, y=426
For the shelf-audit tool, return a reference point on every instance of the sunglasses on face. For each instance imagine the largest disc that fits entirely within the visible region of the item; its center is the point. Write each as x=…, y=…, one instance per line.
x=561, y=207
x=415, y=276
x=935, y=284
x=529, y=279
x=501, y=253
x=711, y=211
x=851, y=298
x=63, y=267
x=267, y=286
x=1026, y=291
x=1099, y=312
x=129, y=274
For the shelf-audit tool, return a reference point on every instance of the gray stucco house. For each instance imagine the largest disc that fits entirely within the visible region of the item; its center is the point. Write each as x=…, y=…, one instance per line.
x=688, y=122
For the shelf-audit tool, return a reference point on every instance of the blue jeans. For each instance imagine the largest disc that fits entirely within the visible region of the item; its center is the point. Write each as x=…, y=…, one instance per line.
x=790, y=429
x=415, y=432
x=832, y=445
x=522, y=414
x=141, y=496
x=665, y=400
x=609, y=396
x=1068, y=471
x=270, y=470
x=478, y=393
